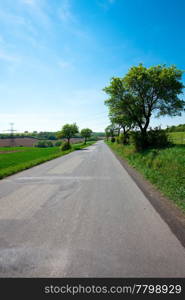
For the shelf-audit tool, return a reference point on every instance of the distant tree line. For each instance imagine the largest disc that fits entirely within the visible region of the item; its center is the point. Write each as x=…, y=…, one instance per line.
x=177, y=128
x=39, y=135
x=46, y=135
x=67, y=132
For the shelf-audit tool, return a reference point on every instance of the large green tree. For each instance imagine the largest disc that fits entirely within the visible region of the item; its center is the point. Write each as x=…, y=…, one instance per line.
x=86, y=133
x=68, y=131
x=144, y=92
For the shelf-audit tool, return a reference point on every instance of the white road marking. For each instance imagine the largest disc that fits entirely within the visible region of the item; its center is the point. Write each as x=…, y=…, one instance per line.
x=59, y=178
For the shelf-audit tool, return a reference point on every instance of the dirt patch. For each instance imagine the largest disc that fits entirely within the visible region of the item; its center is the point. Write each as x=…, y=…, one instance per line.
x=25, y=142
x=169, y=212
x=3, y=152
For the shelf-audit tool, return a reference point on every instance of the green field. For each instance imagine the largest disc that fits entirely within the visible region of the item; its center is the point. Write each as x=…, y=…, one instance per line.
x=15, y=159
x=164, y=168
x=177, y=137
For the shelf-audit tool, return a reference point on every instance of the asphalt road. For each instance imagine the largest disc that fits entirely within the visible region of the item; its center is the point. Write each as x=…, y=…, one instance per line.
x=82, y=215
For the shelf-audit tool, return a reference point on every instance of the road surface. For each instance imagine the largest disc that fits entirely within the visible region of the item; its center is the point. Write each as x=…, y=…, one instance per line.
x=81, y=215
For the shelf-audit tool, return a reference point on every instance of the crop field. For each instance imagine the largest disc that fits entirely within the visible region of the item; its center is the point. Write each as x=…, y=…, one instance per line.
x=177, y=137
x=15, y=159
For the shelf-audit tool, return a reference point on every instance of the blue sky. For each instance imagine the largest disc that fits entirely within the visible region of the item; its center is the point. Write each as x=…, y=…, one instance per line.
x=57, y=55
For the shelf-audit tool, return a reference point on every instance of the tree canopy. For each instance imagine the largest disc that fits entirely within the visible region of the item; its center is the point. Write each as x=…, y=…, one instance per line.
x=144, y=92
x=68, y=131
x=111, y=130
x=86, y=133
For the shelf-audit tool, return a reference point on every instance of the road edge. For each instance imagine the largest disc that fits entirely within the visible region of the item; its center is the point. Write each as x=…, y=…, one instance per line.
x=168, y=211
x=37, y=162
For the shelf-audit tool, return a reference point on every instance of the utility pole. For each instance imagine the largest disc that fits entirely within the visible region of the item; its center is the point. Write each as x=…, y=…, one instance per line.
x=11, y=130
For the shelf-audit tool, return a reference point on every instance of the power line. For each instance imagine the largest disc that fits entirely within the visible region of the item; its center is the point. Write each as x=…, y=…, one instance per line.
x=11, y=130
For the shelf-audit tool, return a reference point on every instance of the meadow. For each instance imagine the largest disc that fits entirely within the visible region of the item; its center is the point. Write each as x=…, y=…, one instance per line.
x=15, y=159
x=177, y=137
x=165, y=168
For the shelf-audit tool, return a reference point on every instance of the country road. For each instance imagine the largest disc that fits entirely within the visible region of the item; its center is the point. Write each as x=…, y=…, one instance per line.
x=82, y=215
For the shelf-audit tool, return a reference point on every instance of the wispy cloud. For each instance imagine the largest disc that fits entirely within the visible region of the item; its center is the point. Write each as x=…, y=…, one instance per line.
x=24, y=17
x=37, y=12
x=7, y=57
x=71, y=22
x=105, y=4
x=65, y=12
x=9, y=17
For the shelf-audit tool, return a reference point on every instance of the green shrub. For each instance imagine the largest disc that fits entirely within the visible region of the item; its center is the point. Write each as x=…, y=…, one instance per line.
x=118, y=139
x=155, y=138
x=113, y=139
x=93, y=138
x=124, y=138
x=158, y=138
x=44, y=144
x=136, y=139
x=65, y=146
x=41, y=144
x=49, y=144
x=58, y=144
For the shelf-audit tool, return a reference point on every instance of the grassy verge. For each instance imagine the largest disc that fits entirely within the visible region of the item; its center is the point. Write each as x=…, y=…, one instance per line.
x=20, y=158
x=177, y=137
x=164, y=168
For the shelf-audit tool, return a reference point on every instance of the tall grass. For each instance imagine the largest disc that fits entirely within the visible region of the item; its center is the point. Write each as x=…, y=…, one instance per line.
x=165, y=168
x=177, y=137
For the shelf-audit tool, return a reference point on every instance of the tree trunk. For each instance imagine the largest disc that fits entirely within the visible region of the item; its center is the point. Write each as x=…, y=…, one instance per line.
x=144, y=137
x=125, y=136
x=145, y=142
